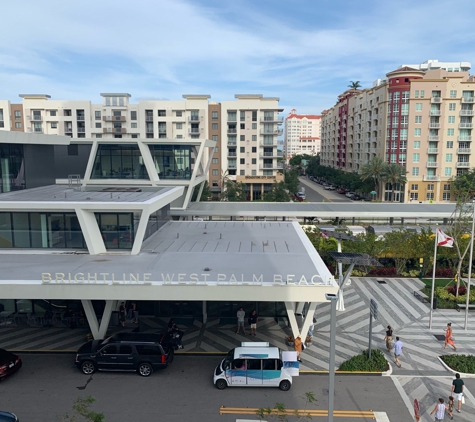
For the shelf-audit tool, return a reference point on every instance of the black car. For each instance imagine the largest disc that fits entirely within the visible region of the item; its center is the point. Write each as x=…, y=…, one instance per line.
x=139, y=352
x=8, y=417
x=9, y=363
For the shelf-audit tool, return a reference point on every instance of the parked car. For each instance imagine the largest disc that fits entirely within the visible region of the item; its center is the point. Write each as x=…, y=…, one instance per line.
x=350, y=194
x=8, y=417
x=301, y=195
x=129, y=351
x=332, y=187
x=356, y=197
x=341, y=191
x=9, y=363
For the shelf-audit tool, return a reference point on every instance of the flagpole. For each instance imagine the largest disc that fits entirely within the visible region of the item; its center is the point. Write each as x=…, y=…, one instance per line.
x=433, y=277
x=467, y=302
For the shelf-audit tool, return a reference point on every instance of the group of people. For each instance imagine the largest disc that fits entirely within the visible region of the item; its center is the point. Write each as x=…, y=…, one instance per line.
x=252, y=321
x=128, y=312
x=456, y=393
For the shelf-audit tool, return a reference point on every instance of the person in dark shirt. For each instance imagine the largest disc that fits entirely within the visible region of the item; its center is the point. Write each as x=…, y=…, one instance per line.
x=457, y=391
x=253, y=318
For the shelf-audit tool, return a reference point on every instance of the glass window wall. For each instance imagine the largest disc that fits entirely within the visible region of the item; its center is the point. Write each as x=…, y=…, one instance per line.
x=119, y=162
x=12, y=168
x=173, y=161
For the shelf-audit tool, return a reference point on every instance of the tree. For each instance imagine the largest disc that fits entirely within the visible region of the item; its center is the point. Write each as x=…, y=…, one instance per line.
x=82, y=412
x=354, y=85
x=234, y=192
x=291, y=179
x=281, y=412
x=278, y=193
x=373, y=169
x=395, y=175
x=204, y=195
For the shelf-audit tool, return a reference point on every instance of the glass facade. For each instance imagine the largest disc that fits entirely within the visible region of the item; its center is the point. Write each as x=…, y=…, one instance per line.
x=120, y=161
x=173, y=161
x=12, y=168
x=62, y=230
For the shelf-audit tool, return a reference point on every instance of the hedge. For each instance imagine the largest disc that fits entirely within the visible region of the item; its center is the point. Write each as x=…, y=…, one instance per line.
x=460, y=363
x=377, y=363
x=443, y=293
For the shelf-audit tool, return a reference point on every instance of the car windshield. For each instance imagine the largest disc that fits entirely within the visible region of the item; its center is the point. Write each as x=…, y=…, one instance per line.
x=228, y=359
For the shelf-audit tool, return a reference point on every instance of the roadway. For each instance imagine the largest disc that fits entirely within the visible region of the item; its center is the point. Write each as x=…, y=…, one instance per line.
x=48, y=385
x=317, y=193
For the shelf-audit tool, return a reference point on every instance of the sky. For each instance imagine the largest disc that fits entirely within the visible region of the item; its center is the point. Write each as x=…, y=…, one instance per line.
x=305, y=52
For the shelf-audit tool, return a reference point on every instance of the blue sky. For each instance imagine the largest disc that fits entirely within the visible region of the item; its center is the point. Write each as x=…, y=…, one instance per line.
x=304, y=51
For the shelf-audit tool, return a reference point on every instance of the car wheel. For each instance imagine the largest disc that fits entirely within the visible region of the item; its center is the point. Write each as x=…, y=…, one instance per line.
x=221, y=384
x=145, y=369
x=285, y=385
x=88, y=367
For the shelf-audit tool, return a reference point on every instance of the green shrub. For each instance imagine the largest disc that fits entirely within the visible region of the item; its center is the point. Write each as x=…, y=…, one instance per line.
x=460, y=363
x=411, y=273
x=356, y=273
x=377, y=363
x=442, y=293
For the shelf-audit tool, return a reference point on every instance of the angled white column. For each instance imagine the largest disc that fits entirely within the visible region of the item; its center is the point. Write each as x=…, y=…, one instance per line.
x=291, y=309
x=140, y=233
x=90, y=230
x=148, y=162
x=308, y=320
x=98, y=331
x=90, y=163
x=199, y=157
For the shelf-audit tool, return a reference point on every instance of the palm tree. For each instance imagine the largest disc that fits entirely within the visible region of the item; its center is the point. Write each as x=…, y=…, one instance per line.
x=354, y=85
x=395, y=175
x=373, y=169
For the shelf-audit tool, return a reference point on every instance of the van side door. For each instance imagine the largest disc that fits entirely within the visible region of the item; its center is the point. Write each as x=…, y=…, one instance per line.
x=271, y=371
x=237, y=372
x=254, y=371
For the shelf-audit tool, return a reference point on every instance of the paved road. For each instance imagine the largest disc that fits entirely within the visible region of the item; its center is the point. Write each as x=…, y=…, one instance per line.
x=47, y=386
x=316, y=193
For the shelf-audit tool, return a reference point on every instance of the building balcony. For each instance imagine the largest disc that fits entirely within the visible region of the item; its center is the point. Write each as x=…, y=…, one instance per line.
x=276, y=166
x=464, y=150
x=432, y=150
x=231, y=130
x=435, y=112
x=195, y=119
x=434, y=125
x=268, y=144
x=195, y=130
x=432, y=164
x=277, y=132
x=115, y=130
x=463, y=164
x=433, y=138
x=467, y=112
x=464, y=138
x=468, y=99
x=35, y=118
x=81, y=130
x=465, y=125
x=68, y=129
x=162, y=130
x=81, y=118
x=435, y=100
x=232, y=165
x=275, y=154
x=430, y=178
x=35, y=129
x=232, y=144
x=149, y=118
x=278, y=120
x=119, y=118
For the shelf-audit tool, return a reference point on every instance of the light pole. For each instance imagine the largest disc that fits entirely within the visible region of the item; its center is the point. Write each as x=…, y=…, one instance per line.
x=333, y=298
x=467, y=302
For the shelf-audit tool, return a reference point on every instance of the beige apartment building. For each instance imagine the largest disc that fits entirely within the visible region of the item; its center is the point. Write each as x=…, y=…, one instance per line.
x=302, y=134
x=419, y=119
x=245, y=129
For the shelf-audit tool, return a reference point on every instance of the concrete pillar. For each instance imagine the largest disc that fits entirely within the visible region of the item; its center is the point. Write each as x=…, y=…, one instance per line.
x=98, y=331
x=391, y=221
x=205, y=313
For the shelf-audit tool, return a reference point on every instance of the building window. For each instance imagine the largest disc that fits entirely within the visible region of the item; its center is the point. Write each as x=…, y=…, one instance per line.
x=54, y=125
x=214, y=115
x=430, y=186
x=446, y=187
x=453, y=93
x=254, y=126
x=418, y=119
x=133, y=115
x=215, y=161
x=98, y=125
x=451, y=119
x=254, y=149
x=422, y=93
x=242, y=172
x=254, y=161
x=242, y=116
x=450, y=144
x=179, y=126
x=73, y=149
x=119, y=161
x=448, y=171
x=253, y=172
x=17, y=114
x=215, y=172
x=452, y=106
x=97, y=115
x=98, y=135
x=430, y=196
x=446, y=196
x=133, y=125
x=417, y=144
x=416, y=93
x=242, y=150
x=134, y=136
x=161, y=113
x=17, y=125
x=414, y=196
x=52, y=113
x=417, y=132
x=416, y=157
x=216, y=149
x=242, y=161
x=450, y=132
x=242, y=138
x=448, y=158
x=242, y=125
x=415, y=171
x=214, y=126
x=215, y=138
x=215, y=183
x=414, y=187
x=178, y=113
x=418, y=106
x=179, y=136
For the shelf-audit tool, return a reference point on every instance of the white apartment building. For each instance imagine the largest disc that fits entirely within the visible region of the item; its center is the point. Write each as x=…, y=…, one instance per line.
x=5, y=118
x=302, y=134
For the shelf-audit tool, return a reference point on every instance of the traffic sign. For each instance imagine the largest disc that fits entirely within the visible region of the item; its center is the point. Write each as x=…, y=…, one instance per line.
x=374, y=308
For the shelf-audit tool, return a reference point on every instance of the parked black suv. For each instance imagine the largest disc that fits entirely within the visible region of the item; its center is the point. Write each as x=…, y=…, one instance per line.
x=140, y=352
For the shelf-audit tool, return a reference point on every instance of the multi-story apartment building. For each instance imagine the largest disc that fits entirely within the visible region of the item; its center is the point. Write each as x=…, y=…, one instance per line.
x=245, y=131
x=302, y=134
x=421, y=120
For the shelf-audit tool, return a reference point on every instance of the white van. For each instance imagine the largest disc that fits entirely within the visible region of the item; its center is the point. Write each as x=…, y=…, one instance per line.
x=256, y=364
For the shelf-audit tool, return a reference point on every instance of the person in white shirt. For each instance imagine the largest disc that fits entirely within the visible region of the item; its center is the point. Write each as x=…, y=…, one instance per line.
x=398, y=346
x=240, y=320
x=439, y=411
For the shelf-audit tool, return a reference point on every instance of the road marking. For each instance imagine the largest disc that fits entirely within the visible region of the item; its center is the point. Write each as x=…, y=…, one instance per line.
x=402, y=393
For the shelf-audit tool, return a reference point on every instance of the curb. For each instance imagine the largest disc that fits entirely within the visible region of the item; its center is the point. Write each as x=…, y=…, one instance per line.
x=462, y=374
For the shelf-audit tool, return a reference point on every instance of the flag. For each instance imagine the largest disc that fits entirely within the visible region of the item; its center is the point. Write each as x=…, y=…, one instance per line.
x=444, y=240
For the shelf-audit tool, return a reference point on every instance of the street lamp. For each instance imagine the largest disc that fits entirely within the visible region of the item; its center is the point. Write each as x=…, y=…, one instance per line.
x=333, y=298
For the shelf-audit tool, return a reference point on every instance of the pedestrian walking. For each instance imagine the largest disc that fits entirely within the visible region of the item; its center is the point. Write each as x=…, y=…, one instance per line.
x=389, y=338
x=122, y=314
x=449, y=339
x=439, y=411
x=450, y=407
x=311, y=328
x=135, y=313
x=253, y=318
x=457, y=391
x=240, y=320
x=398, y=346
x=298, y=347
